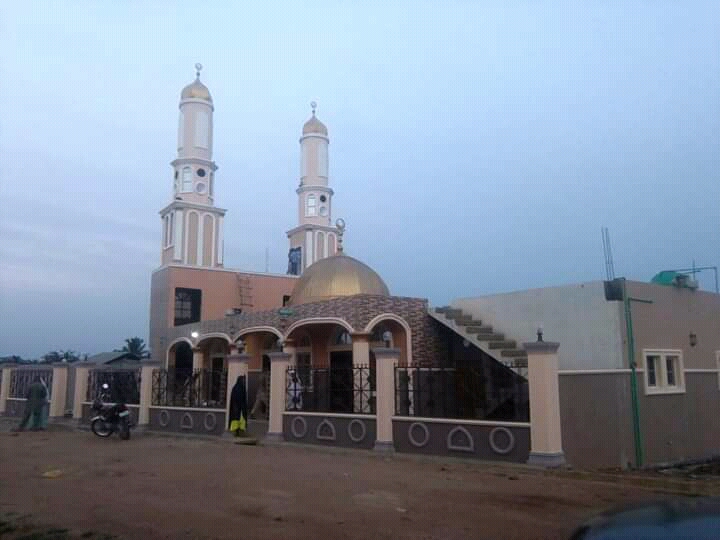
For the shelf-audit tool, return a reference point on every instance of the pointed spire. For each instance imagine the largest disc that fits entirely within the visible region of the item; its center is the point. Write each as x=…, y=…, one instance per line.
x=198, y=69
x=313, y=106
x=340, y=224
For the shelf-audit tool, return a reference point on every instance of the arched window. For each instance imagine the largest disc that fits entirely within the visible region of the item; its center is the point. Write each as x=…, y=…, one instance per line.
x=186, y=179
x=311, y=206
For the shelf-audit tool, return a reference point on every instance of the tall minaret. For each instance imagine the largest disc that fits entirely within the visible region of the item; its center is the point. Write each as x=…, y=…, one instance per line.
x=314, y=238
x=192, y=226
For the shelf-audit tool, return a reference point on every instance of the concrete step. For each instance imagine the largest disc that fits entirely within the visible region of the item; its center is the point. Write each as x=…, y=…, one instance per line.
x=490, y=337
x=466, y=320
x=480, y=329
x=453, y=313
x=513, y=353
x=505, y=344
x=442, y=309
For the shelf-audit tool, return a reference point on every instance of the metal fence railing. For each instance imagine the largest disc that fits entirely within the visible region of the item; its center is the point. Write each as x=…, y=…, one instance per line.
x=21, y=379
x=341, y=390
x=199, y=388
x=492, y=391
x=124, y=385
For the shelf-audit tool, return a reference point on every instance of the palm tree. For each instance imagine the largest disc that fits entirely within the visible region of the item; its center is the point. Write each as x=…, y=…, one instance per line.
x=136, y=347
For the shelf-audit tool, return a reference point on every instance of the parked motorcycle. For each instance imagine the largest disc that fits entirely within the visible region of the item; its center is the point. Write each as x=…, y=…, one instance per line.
x=109, y=419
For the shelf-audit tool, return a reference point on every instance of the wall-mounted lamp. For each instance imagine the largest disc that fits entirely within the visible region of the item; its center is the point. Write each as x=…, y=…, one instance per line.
x=540, y=333
x=693, y=339
x=387, y=337
x=194, y=335
x=240, y=345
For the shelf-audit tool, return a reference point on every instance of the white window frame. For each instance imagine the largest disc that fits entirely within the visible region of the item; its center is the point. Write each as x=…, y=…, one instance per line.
x=662, y=386
x=311, y=209
x=186, y=180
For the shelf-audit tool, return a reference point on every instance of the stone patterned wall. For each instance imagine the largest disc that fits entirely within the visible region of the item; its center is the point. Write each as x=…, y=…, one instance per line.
x=428, y=341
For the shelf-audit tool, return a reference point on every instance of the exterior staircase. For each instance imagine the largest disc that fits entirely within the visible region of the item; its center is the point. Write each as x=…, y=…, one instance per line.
x=493, y=343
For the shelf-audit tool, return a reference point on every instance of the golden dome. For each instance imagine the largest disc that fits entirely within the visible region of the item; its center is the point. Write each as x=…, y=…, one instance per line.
x=196, y=90
x=314, y=126
x=336, y=276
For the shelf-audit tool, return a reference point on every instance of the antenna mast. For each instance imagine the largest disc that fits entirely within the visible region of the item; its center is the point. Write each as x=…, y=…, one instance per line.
x=607, y=251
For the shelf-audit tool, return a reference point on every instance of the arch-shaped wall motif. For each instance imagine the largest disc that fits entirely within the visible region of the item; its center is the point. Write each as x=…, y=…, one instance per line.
x=453, y=444
x=208, y=239
x=318, y=320
x=402, y=322
x=193, y=225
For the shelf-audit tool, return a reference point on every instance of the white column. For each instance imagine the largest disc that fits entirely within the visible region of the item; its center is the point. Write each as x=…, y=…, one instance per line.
x=6, y=373
x=385, y=362
x=361, y=358
x=219, y=242
x=545, y=427
x=279, y=363
x=179, y=226
x=59, y=390
x=198, y=359
x=82, y=371
x=201, y=238
x=146, y=375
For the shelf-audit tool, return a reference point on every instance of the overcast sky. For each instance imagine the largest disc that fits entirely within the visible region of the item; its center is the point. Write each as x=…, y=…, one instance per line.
x=476, y=147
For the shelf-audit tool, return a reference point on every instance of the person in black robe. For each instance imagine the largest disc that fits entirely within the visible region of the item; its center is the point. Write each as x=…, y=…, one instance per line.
x=238, y=407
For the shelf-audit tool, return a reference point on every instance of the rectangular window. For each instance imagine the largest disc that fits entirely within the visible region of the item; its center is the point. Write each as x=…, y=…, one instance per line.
x=652, y=362
x=663, y=372
x=311, y=206
x=670, y=369
x=187, y=306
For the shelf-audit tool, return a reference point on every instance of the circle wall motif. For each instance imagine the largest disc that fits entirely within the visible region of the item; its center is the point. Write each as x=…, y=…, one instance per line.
x=164, y=418
x=363, y=430
x=499, y=449
x=298, y=427
x=210, y=421
x=426, y=437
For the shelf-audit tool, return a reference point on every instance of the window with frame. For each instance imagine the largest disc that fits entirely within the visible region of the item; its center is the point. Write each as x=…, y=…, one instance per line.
x=187, y=306
x=663, y=372
x=187, y=179
x=311, y=206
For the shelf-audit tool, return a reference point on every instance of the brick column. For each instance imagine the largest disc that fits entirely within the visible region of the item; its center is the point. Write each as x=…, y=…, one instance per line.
x=279, y=363
x=146, y=380
x=385, y=362
x=237, y=367
x=5, y=388
x=545, y=430
x=58, y=394
x=82, y=372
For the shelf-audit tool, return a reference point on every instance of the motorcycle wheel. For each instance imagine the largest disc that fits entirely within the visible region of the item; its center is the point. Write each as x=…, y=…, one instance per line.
x=101, y=428
x=125, y=430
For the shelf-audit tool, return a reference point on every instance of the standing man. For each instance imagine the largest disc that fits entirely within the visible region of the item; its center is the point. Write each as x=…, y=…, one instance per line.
x=35, y=403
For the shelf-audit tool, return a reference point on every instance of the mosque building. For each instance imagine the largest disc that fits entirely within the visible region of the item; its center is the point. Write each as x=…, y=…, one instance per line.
x=330, y=312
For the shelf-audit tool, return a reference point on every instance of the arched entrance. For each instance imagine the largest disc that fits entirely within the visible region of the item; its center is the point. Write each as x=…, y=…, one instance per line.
x=341, y=371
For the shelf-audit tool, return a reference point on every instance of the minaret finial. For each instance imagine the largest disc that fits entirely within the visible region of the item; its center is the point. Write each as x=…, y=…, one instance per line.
x=340, y=224
x=198, y=69
x=313, y=106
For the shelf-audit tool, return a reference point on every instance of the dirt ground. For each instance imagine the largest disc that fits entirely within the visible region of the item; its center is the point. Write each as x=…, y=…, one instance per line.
x=164, y=487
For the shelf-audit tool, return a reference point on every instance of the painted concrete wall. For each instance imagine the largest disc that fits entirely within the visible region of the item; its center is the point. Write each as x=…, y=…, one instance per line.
x=587, y=326
x=669, y=320
x=597, y=428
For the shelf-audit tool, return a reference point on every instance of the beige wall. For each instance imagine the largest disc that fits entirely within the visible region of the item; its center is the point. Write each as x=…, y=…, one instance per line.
x=669, y=320
x=220, y=292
